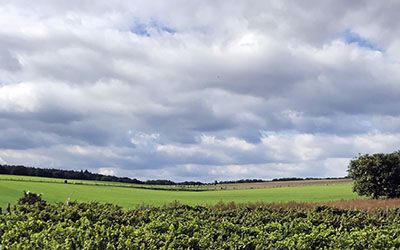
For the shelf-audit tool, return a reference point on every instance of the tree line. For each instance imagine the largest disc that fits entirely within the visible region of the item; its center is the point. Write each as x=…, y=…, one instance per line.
x=83, y=175
x=308, y=178
x=63, y=174
x=87, y=175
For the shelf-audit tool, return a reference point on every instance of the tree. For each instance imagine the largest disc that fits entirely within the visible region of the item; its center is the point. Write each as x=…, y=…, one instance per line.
x=376, y=175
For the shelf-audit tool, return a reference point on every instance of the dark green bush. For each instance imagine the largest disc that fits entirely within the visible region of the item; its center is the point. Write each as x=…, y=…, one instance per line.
x=30, y=198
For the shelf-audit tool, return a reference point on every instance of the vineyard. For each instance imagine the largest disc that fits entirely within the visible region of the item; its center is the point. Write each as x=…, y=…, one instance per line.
x=39, y=225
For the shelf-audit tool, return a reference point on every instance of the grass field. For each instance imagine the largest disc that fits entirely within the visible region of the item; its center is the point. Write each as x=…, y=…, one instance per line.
x=54, y=190
x=253, y=185
x=97, y=183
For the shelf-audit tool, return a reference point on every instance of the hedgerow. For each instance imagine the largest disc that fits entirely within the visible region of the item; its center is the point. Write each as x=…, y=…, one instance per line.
x=104, y=226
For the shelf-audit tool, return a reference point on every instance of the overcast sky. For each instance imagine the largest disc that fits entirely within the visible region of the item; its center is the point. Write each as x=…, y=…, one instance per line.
x=198, y=90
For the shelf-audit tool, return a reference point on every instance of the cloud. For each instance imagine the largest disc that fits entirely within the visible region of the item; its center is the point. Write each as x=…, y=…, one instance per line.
x=144, y=141
x=2, y=161
x=210, y=90
x=106, y=171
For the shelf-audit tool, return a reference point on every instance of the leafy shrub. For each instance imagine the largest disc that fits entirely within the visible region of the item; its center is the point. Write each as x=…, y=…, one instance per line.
x=30, y=198
x=106, y=226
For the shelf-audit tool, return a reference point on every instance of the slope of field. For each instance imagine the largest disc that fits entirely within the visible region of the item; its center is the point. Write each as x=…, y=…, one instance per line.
x=225, y=186
x=129, y=196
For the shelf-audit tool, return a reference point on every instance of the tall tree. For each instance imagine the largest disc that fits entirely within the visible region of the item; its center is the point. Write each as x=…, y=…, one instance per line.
x=376, y=175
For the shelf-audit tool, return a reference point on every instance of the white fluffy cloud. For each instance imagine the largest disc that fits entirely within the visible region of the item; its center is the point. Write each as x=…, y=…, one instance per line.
x=198, y=90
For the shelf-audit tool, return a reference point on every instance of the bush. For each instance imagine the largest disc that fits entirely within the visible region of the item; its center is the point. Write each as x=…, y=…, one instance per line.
x=106, y=226
x=30, y=198
x=376, y=175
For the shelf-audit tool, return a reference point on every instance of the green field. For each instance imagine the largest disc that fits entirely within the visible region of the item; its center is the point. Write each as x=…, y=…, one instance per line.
x=54, y=190
x=7, y=177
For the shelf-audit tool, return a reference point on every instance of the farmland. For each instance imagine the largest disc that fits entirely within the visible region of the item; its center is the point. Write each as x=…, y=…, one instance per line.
x=130, y=196
x=279, y=215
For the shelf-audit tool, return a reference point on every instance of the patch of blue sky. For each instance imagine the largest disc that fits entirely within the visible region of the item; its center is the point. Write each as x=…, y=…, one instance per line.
x=351, y=37
x=146, y=29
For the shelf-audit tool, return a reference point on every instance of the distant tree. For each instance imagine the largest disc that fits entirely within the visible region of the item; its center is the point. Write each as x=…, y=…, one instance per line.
x=376, y=175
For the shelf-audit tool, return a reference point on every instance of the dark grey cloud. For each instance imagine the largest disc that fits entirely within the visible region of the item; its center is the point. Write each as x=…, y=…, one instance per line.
x=198, y=90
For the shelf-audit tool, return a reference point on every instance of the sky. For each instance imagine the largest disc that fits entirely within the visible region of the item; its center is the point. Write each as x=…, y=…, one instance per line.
x=198, y=90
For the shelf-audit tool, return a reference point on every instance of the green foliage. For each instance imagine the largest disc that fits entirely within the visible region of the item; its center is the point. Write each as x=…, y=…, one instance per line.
x=106, y=226
x=30, y=198
x=376, y=175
